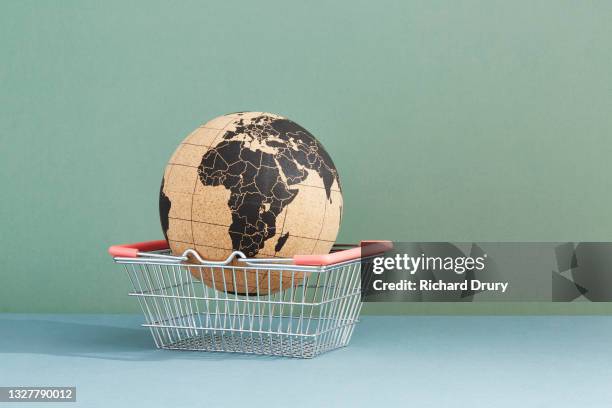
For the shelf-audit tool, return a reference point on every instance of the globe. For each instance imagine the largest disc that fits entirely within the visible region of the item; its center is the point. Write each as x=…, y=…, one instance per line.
x=254, y=182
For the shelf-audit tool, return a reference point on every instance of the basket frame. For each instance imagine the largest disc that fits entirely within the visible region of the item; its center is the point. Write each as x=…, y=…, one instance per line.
x=316, y=313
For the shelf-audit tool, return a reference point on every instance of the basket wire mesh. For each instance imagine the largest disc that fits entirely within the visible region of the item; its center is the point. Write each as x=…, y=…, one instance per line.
x=315, y=309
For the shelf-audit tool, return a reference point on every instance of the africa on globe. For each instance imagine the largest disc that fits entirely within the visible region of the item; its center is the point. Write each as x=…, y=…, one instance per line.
x=254, y=182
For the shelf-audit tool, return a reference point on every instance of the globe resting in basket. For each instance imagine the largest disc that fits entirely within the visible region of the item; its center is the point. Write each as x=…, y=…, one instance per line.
x=254, y=182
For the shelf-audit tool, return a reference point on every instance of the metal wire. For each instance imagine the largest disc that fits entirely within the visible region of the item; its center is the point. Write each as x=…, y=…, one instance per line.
x=313, y=311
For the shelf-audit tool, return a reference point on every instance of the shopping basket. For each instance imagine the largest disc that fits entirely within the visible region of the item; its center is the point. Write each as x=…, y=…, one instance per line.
x=313, y=308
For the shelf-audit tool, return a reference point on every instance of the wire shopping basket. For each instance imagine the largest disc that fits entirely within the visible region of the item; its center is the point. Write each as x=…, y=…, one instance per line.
x=296, y=307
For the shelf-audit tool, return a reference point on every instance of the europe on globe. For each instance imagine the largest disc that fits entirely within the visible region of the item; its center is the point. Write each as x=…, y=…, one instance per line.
x=254, y=182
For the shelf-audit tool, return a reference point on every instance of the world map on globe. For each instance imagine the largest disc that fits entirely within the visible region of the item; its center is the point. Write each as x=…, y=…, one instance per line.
x=254, y=182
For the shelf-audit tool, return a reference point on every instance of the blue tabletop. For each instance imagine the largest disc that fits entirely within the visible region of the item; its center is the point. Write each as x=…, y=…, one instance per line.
x=391, y=361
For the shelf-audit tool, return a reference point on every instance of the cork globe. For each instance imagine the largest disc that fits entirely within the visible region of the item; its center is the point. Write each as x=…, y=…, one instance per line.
x=254, y=182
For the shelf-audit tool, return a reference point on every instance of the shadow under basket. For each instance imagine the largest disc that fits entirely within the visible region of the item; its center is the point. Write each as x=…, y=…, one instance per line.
x=297, y=307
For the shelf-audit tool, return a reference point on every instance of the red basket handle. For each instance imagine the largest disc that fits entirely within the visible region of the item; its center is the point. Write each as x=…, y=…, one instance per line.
x=132, y=250
x=367, y=248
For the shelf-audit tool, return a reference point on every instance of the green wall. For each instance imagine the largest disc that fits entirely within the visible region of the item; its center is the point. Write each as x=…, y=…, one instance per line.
x=448, y=120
